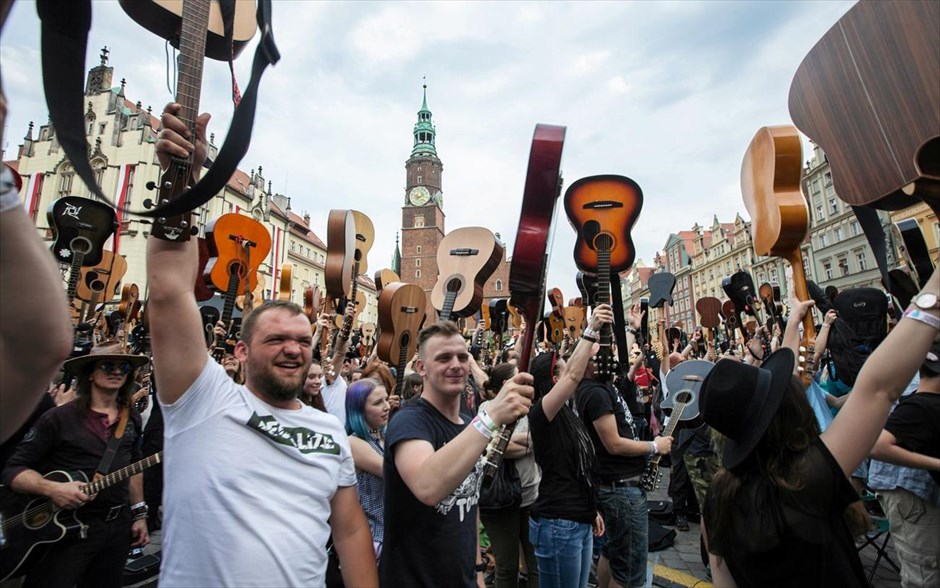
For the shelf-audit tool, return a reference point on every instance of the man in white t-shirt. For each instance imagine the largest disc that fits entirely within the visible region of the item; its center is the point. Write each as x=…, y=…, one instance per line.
x=255, y=481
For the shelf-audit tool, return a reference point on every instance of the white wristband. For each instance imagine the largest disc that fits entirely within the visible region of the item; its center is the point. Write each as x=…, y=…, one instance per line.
x=487, y=421
x=922, y=317
x=653, y=449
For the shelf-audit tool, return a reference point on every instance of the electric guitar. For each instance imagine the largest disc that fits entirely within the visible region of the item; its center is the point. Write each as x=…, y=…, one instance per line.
x=80, y=227
x=237, y=246
x=32, y=523
x=466, y=258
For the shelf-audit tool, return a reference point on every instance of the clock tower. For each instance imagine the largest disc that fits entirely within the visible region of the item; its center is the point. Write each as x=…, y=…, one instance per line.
x=422, y=215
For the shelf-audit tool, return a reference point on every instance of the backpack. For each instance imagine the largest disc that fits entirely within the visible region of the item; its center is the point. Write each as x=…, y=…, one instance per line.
x=861, y=326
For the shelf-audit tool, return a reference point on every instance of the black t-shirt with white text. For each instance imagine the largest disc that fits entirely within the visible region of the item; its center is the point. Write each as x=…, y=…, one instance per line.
x=597, y=399
x=427, y=546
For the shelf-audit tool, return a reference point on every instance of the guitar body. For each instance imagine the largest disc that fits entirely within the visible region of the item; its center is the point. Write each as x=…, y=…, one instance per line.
x=312, y=303
x=401, y=314
x=709, y=310
x=868, y=93
x=100, y=282
x=770, y=185
x=557, y=301
x=740, y=289
x=257, y=295
x=556, y=327
x=367, y=341
x=661, y=286
x=27, y=542
x=606, y=205
x=365, y=238
x=286, y=282
x=340, y=253
x=574, y=321
x=80, y=227
x=164, y=18
x=686, y=379
x=499, y=315
x=466, y=258
x=226, y=237
x=587, y=284
x=383, y=277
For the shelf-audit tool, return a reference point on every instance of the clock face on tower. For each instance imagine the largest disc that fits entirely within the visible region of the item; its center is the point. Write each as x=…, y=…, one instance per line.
x=419, y=196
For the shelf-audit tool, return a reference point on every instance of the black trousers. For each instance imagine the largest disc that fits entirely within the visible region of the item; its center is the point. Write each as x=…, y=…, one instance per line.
x=681, y=490
x=93, y=562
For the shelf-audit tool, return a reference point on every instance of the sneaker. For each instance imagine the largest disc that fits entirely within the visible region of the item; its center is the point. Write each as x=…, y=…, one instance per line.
x=682, y=524
x=592, y=579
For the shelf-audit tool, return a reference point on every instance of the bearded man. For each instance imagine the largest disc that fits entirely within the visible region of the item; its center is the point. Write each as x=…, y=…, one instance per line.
x=255, y=480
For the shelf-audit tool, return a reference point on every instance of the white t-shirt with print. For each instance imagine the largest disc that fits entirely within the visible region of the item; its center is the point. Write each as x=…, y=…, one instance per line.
x=247, y=487
x=334, y=397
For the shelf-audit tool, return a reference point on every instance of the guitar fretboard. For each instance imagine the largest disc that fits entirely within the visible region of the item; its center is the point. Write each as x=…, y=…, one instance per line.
x=604, y=368
x=126, y=472
x=348, y=319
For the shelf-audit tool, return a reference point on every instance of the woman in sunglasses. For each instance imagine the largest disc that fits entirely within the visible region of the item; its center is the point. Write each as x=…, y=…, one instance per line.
x=73, y=438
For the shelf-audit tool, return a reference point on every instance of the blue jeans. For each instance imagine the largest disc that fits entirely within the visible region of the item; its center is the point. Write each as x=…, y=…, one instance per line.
x=626, y=517
x=563, y=550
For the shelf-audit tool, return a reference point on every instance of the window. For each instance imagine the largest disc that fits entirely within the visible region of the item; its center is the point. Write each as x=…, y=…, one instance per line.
x=101, y=128
x=833, y=205
x=418, y=262
x=844, y=266
x=65, y=182
x=838, y=234
x=419, y=179
x=773, y=274
x=856, y=228
x=819, y=213
x=828, y=178
x=823, y=240
x=419, y=221
x=827, y=267
x=862, y=261
x=418, y=249
x=417, y=273
x=292, y=246
x=816, y=187
x=499, y=285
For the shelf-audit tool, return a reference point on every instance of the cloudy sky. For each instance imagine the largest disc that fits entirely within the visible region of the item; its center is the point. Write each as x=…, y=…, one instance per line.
x=667, y=93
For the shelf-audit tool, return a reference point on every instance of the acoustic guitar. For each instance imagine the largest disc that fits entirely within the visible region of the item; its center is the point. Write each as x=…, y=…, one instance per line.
x=661, y=285
x=80, y=228
x=237, y=246
x=709, y=311
x=770, y=296
x=383, y=277
x=286, y=282
x=31, y=523
x=868, y=93
x=312, y=303
x=587, y=285
x=340, y=253
x=367, y=341
x=732, y=320
x=770, y=185
x=531, y=252
x=401, y=314
x=574, y=321
x=603, y=209
x=365, y=239
x=466, y=258
x=102, y=279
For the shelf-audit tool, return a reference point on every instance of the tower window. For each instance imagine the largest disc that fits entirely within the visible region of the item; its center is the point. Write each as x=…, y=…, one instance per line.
x=419, y=221
x=417, y=273
x=418, y=249
x=417, y=263
x=499, y=285
x=419, y=179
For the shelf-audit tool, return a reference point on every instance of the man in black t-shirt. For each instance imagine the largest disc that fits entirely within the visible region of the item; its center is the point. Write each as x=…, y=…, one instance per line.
x=621, y=458
x=432, y=468
x=911, y=438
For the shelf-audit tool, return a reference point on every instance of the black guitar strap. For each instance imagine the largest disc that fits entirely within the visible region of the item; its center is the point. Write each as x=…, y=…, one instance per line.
x=620, y=325
x=65, y=27
x=105, y=464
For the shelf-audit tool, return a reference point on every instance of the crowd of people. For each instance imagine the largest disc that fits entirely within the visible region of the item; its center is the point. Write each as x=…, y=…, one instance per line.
x=284, y=466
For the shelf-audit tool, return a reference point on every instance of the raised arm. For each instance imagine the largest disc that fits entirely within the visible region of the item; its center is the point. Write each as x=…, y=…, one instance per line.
x=179, y=347
x=888, y=370
x=432, y=475
x=574, y=370
x=822, y=339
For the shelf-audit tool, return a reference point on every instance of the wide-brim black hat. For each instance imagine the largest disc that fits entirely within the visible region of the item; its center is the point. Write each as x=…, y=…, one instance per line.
x=740, y=401
x=112, y=351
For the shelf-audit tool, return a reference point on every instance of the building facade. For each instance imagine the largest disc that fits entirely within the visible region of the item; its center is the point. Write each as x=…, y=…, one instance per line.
x=122, y=146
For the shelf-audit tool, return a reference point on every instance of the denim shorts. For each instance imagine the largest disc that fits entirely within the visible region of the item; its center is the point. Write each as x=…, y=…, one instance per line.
x=563, y=551
x=626, y=517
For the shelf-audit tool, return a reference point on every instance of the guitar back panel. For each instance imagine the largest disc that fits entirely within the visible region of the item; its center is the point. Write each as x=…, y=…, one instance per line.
x=340, y=253
x=401, y=313
x=709, y=310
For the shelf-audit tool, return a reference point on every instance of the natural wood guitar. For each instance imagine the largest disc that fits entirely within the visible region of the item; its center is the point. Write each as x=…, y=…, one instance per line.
x=401, y=314
x=466, y=258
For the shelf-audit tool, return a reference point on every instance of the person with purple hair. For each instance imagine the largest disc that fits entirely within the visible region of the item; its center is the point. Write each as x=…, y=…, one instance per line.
x=367, y=411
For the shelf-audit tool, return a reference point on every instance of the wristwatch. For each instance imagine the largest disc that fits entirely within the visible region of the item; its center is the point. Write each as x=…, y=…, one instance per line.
x=927, y=301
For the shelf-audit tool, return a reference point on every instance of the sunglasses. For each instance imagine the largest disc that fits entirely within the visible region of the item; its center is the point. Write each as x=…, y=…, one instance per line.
x=109, y=366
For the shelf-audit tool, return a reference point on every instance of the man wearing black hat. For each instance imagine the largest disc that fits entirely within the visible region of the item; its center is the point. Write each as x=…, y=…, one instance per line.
x=621, y=458
x=73, y=438
x=911, y=438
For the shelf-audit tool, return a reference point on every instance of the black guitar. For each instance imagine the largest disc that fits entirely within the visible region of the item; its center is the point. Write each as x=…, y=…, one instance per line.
x=81, y=227
x=683, y=382
x=587, y=285
x=30, y=524
x=661, y=286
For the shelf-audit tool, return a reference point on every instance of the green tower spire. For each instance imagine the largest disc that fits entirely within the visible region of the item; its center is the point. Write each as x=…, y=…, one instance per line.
x=424, y=130
x=396, y=257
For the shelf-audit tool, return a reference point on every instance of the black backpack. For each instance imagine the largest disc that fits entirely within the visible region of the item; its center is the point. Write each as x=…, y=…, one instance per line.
x=861, y=326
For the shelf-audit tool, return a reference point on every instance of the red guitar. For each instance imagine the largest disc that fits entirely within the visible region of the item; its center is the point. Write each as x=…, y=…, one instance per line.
x=530, y=252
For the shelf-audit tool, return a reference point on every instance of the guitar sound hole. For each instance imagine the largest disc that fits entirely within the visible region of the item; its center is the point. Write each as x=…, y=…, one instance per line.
x=454, y=285
x=80, y=245
x=97, y=286
x=684, y=397
x=603, y=241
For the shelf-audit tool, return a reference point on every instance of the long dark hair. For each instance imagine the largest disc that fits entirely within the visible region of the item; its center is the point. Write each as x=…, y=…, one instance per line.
x=780, y=457
x=83, y=387
x=544, y=368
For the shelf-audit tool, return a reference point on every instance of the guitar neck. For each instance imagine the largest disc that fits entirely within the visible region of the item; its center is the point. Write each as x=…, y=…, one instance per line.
x=114, y=477
x=603, y=297
x=348, y=319
x=449, y=299
x=808, y=341
x=228, y=308
x=74, y=273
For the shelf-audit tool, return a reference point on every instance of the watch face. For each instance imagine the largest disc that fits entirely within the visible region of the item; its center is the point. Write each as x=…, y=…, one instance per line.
x=926, y=301
x=419, y=196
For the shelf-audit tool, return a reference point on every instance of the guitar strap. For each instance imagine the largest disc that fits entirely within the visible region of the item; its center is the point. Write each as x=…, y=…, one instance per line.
x=64, y=32
x=105, y=464
x=877, y=240
x=620, y=325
